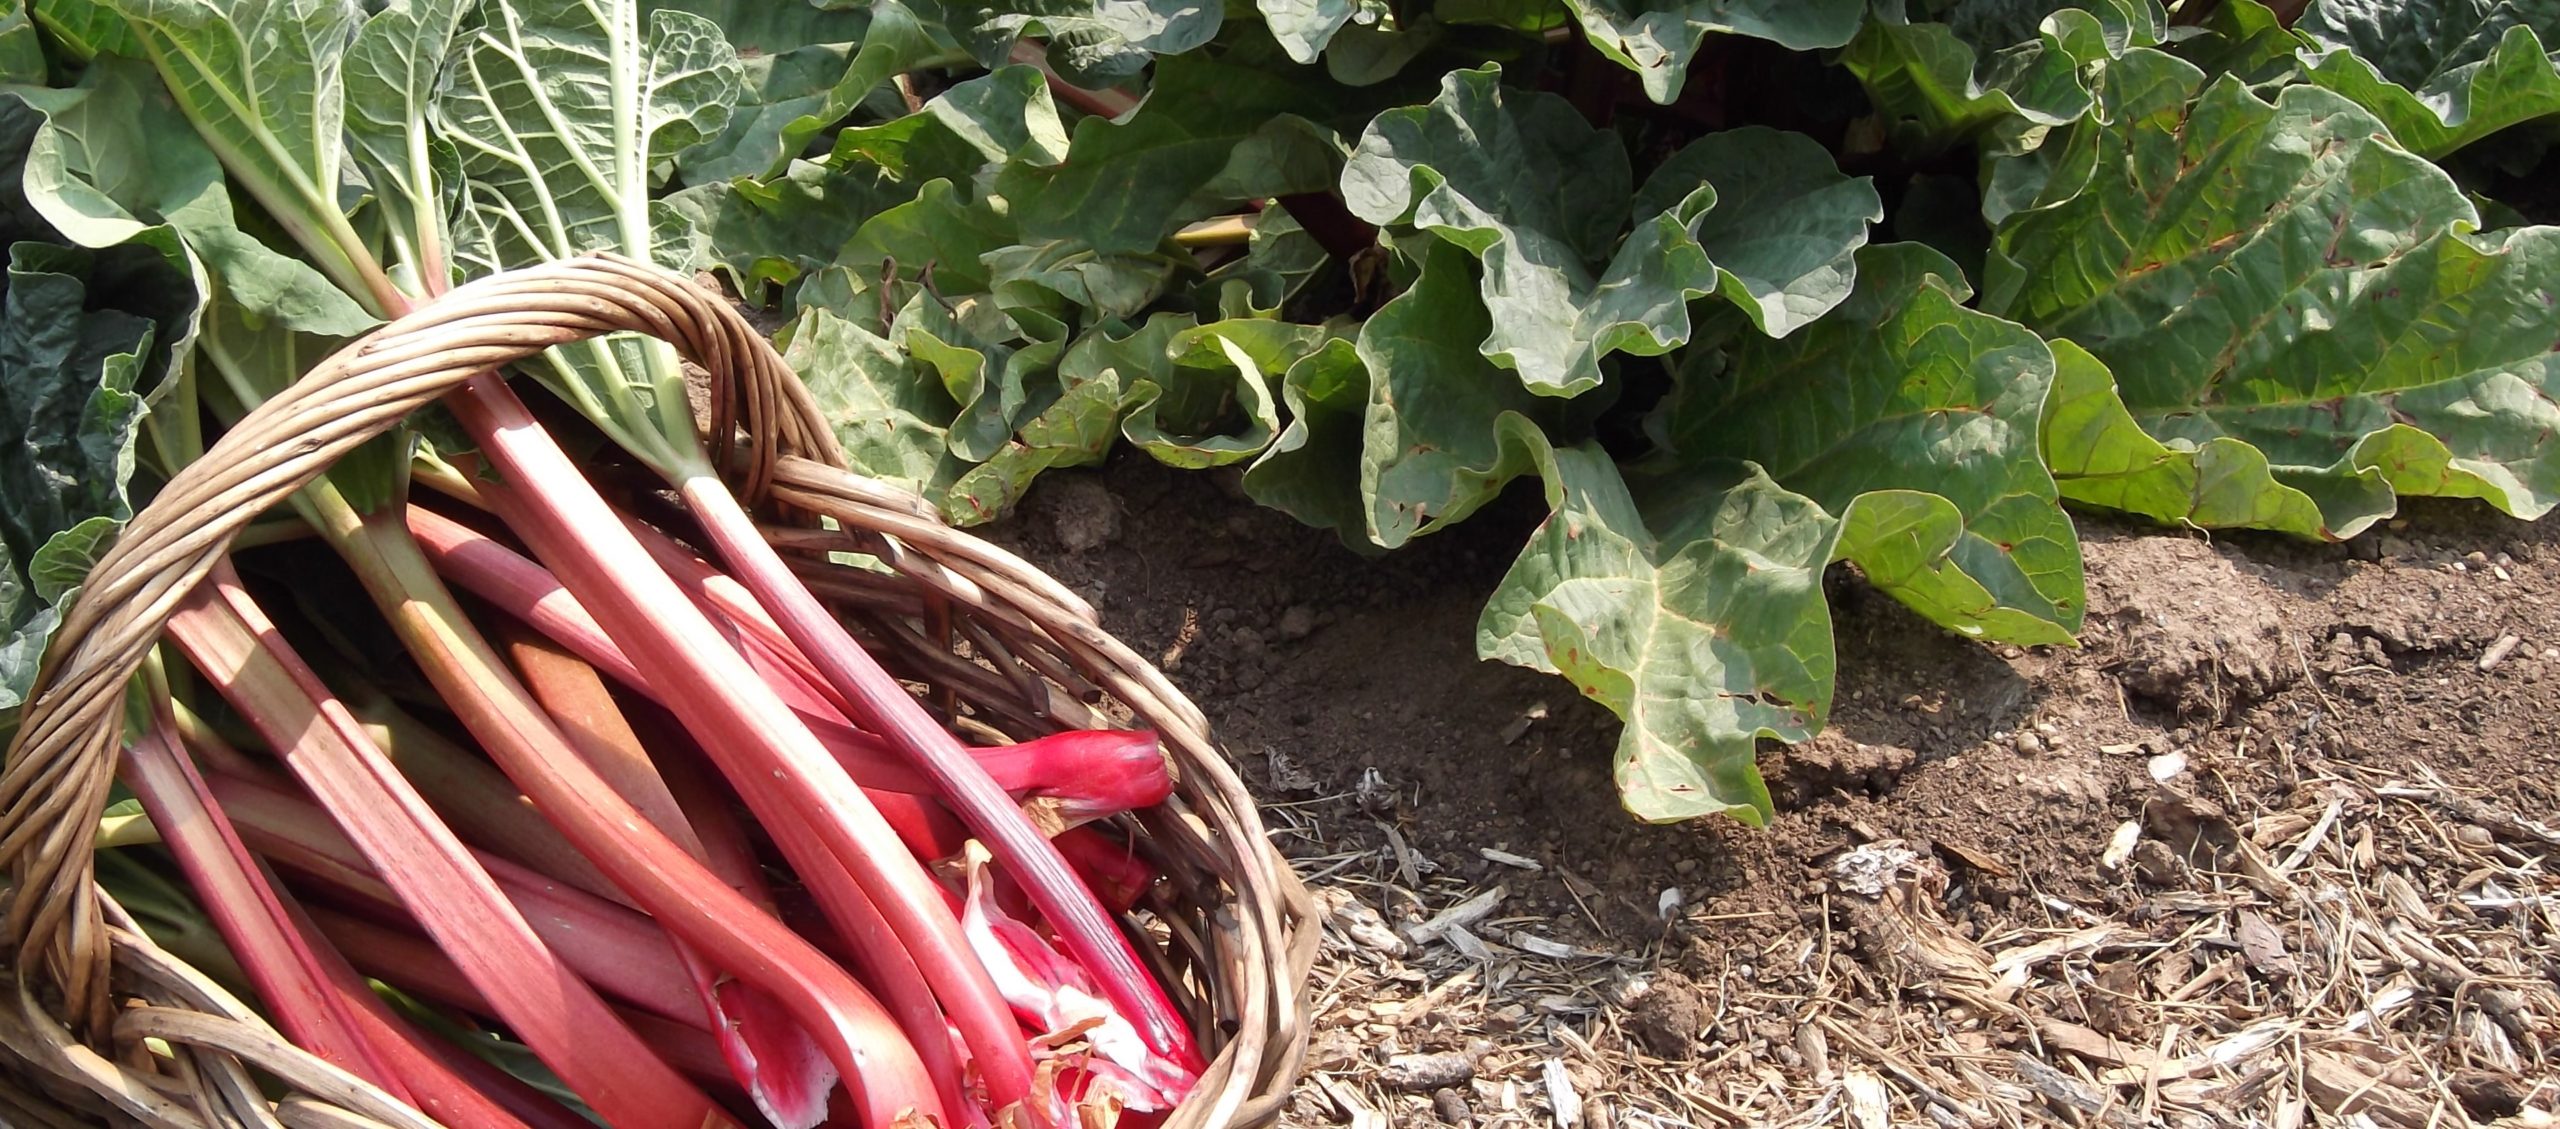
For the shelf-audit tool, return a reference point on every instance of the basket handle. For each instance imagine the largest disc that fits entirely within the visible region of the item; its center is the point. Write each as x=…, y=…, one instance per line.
x=58, y=768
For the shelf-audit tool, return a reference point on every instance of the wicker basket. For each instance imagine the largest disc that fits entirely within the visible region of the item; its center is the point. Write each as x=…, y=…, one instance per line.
x=85, y=989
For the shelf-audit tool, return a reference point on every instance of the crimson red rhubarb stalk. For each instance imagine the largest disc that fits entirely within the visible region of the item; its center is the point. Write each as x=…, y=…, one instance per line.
x=721, y=928
x=779, y=768
x=880, y=703
x=551, y=1008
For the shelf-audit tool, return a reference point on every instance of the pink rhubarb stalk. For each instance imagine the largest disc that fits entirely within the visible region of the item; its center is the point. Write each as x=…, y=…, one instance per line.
x=722, y=935
x=550, y=1007
x=779, y=768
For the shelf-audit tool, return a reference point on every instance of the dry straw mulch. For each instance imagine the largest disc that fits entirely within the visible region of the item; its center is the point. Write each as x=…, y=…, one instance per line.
x=2377, y=950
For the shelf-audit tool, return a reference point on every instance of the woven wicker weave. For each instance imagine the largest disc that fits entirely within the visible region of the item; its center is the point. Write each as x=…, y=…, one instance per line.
x=81, y=989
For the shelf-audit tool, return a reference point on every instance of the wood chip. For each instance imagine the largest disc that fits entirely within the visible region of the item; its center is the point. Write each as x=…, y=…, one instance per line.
x=1977, y=858
x=2262, y=944
x=1468, y=945
x=1552, y=950
x=1417, y=1074
x=1463, y=914
x=2498, y=652
x=1347, y=1102
x=1870, y=1106
x=1560, y=1095
x=1506, y=858
x=2340, y=1088
x=1346, y=916
x=2098, y=1049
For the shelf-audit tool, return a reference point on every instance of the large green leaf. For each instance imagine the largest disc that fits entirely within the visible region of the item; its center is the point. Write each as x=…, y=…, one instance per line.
x=999, y=117
x=1228, y=133
x=559, y=161
x=1096, y=42
x=1898, y=433
x=2100, y=456
x=261, y=81
x=770, y=231
x=1786, y=225
x=1303, y=27
x=72, y=402
x=792, y=56
x=2279, y=274
x=2441, y=73
x=1071, y=417
x=86, y=335
x=1211, y=404
x=892, y=423
x=563, y=110
x=1916, y=421
x=1522, y=181
x=1433, y=431
x=936, y=237
x=1657, y=38
x=1702, y=625
x=1939, y=86
x=394, y=72
x=114, y=162
x=84, y=29
x=21, y=49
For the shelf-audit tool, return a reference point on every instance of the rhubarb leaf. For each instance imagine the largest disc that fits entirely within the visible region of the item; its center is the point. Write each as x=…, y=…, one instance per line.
x=393, y=74
x=2441, y=74
x=261, y=81
x=1303, y=27
x=1235, y=132
x=995, y=118
x=791, y=56
x=86, y=335
x=1438, y=431
x=1657, y=38
x=892, y=425
x=761, y=232
x=1095, y=42
x=896, y=42
x=2279, y=274
x=1310, y=470
x=1211, y=404
x=2100, y=456
x=1916, y=421
x=1785, y=228
x=21, y=49
x=936, y=236
x=556, y=165
x=1519, y=179
x=116, y=160
x=1939, y=86
x=561, y=161
x=1071, y=416
x=1702, y=626
x=82, y=30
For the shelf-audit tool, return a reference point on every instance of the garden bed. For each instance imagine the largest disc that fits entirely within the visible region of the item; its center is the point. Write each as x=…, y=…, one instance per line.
x=2335, y=903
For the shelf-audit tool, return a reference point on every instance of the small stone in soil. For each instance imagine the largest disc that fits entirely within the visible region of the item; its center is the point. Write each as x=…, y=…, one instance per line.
x=1449, y=1107
x=2028, y=743
x=1297, y=622
x=2155, y=864
x=1667, y=1014
x=1088, y=517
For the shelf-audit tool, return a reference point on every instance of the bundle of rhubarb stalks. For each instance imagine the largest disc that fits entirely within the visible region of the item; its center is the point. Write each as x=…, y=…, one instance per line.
x=517, y=718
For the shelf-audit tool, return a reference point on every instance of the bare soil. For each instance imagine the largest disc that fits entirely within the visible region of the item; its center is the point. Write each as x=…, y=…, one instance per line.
x=2262, y=850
